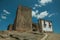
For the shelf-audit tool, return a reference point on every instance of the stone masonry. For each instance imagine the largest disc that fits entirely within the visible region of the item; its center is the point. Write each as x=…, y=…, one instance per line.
x=23, y=21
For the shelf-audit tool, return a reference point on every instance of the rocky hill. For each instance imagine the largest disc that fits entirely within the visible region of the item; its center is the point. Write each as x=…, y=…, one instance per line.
x=14, y=35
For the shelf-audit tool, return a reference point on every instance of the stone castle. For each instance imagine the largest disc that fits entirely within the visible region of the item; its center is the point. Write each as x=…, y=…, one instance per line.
x=23, y=22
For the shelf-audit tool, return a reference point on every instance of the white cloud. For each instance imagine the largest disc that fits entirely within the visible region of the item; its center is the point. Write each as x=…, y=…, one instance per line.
x=51, y=15
x=41, y=15
x=44, y=13
x=6, y=11
x=37, y=5
x=44, y=2
x=41, y=3
x=34, y=7
x=40, y=6
x=33, y=14
x=37, y=11
x=3, y=17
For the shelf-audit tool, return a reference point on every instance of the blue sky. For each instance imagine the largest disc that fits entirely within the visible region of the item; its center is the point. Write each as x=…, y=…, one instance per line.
x=41, y=9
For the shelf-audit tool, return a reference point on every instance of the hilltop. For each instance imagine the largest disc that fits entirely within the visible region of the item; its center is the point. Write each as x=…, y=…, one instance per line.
x=14, y=35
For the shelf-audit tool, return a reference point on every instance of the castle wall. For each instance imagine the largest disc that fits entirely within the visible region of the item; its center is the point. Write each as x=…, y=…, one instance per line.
x=46, y=26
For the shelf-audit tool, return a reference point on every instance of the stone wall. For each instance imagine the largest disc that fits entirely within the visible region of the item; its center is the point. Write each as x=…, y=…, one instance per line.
x=23, y=21
x=45, y=25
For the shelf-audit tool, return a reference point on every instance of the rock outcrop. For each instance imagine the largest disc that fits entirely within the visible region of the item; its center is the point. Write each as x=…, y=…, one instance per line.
x=14, y=35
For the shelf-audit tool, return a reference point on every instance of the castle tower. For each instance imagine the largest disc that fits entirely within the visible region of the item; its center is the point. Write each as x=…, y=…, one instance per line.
x=23, y=21
x=45, y=25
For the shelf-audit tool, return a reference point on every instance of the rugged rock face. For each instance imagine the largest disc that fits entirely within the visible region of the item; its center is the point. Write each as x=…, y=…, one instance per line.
x=14, y=35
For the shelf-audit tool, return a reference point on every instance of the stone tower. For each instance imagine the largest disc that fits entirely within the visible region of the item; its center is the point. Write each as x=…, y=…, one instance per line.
x=23, y=21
